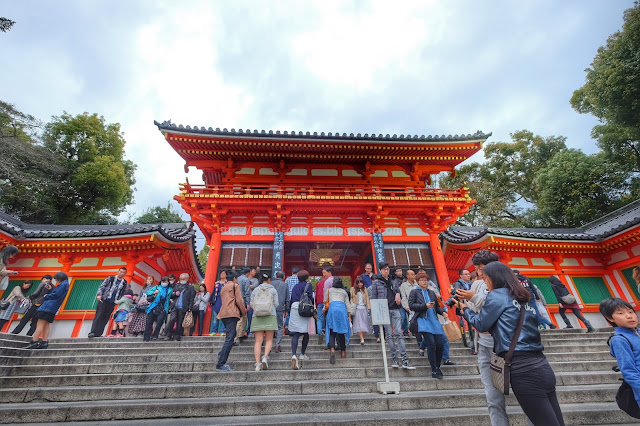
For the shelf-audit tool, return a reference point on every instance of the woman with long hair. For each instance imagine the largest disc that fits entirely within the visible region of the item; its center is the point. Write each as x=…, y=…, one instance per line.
x=7, y=253
x=336, y=308
x=360, y=298
x=200, y=302
x=299, y=326
x=138, y=320
x=47, y=311
x=14, y=298
x=532, y=379
x=560, y=291
x=424, y=302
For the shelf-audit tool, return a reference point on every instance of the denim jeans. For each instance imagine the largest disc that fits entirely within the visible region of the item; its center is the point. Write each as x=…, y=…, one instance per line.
x=198, y=317
x=320, y=324
x=223, y=355
x=495, y=398
x=216, y=325
x=405, y=321
x=445, y=350
x=393, y=334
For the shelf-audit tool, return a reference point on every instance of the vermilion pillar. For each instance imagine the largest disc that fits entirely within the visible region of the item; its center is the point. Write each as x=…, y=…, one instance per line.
x=440, y=266
x=210, y=274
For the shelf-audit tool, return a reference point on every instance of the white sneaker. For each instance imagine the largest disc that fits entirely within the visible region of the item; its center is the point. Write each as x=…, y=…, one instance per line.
x=294, y=363
x=303, y=357
x=407, y=366
x=395, y=364
x=258, y=366
x=265, y=362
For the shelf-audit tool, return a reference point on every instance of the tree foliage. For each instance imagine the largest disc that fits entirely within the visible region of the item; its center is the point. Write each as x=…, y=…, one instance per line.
x=159, y=214
x=203, y=256
x=5, y=24
x=612, y=93
x=70, y=171
x=536, y=181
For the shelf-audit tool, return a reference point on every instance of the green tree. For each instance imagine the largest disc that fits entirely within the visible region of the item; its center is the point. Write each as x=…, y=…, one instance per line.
x=100, y=182
x=503, y=185
x=203, y=256
x=160, y=215
x=30, y=174
x=612, y=93
x=574, y=188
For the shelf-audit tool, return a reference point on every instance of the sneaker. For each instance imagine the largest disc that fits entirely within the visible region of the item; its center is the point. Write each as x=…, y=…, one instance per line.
x=449, y=362
x=211, y=334
x=553, y=326
x=154, y=339
x=34, y=345
x=258, y=366
x=91, y=335
x=110, y=335
x=224, y=368
x=407, y=366
x=303, y=357
x=395, y=364
x=439, y=374
x=294, y=363
x=265, y=362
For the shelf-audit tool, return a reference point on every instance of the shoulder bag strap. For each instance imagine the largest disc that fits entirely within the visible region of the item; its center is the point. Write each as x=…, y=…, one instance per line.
x=514, y=341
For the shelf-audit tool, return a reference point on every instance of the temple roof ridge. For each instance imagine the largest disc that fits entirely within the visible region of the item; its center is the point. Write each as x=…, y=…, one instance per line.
x=167, y=125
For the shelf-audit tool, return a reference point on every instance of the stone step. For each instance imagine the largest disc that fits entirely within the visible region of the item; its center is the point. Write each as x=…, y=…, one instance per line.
x=460, y=357
x=573, y=414
x=200, y=406
x=239, y=376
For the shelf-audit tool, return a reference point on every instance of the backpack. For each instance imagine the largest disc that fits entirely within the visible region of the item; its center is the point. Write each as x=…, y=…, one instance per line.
x=306, y=308
x=625, y=397
x=262, y=302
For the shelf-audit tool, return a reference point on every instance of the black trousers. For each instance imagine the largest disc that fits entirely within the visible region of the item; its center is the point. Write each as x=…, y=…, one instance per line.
x=535, y=390
x=103, y=313
x=576, y=312
x=25, y=319
x=434, y=343
x=340, y=337
x=152, y=317
x=175, y=319
x=230, y=328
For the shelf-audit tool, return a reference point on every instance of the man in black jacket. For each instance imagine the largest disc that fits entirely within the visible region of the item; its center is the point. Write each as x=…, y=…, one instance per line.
x=37, y=297
x=111, y=289
x=183, y=295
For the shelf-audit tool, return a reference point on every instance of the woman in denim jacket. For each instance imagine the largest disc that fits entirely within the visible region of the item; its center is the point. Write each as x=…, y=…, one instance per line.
x=532, y=379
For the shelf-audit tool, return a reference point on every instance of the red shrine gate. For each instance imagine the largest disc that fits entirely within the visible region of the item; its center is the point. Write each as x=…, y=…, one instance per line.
x=281, y=200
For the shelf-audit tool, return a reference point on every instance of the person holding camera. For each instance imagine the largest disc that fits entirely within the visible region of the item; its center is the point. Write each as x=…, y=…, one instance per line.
x=16, y=296
x=463, y=283
x=7, y=253
x=37, y=298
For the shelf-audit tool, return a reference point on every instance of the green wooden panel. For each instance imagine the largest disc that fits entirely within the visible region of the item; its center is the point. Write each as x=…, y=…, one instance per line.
x=13, y=283
x=83, y=295
x=591, y=289
x=545, y=287
x=628, y=274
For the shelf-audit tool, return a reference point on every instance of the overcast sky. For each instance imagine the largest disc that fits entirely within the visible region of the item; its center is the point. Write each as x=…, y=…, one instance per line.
x=427, y=67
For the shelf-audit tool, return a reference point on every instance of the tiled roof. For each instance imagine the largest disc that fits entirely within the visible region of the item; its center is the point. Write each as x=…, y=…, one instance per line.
x=169, y=126
x=176, y=232
x=599, y=229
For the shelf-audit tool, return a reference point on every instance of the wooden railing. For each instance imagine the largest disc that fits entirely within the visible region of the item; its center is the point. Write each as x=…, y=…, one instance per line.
x=309, y=191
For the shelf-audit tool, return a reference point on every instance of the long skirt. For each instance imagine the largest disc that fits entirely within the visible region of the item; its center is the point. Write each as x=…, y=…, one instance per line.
x=298, y=324
x=361, y=320
x=338, y=321
x=138, y=322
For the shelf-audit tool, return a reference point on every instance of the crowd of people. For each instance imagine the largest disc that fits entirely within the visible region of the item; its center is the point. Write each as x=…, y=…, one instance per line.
x=501, y=309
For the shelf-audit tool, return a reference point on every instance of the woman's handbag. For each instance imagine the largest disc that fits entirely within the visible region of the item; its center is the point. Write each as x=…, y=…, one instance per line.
x=452, y=330
x=141, y=309
x=500, y=367
x=23, y=306
x=4, y=305
x=569, y=299
x=188, y=319
x=413, y=325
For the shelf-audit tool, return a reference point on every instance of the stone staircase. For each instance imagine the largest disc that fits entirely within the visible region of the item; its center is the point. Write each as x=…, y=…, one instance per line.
x=125, y=380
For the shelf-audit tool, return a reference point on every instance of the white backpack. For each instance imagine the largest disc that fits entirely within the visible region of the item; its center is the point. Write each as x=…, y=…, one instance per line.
x=262, y=302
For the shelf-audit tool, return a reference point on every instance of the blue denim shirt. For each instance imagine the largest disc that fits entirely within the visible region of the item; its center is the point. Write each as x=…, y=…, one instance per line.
x=500, y=316
x=628, y=358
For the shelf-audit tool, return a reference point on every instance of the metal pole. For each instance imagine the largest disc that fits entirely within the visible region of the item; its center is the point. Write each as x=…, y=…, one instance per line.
x=384, y=354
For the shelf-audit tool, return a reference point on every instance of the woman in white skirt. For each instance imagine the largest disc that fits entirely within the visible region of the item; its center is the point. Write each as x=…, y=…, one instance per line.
x=14, y=298
x=299, y=326
x=360, y=299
